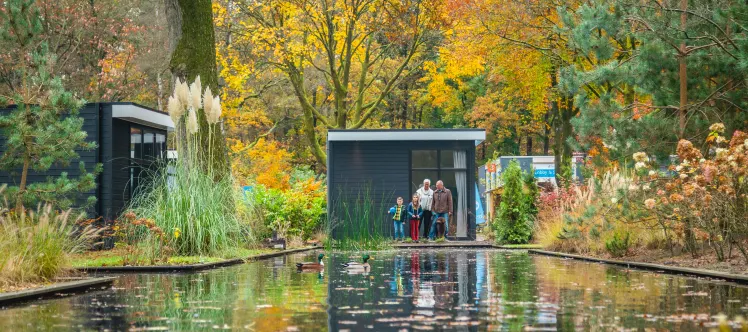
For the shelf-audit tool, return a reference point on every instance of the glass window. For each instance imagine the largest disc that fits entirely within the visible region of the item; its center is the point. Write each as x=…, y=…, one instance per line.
x=423, y=159
x=136, y=143
x=148, y=148
x=446, y=159
x=450, y=179
x=418, y=176
x=160, y=146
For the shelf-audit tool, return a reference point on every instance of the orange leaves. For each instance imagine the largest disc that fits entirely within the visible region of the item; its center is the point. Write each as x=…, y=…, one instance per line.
x=267, y=163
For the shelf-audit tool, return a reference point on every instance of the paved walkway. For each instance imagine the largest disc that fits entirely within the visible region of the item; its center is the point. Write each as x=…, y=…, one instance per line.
x=446, y=244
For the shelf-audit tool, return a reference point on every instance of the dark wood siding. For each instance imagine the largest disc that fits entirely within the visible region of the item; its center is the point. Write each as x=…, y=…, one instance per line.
x=90, y=114
x=382, y=168
x=120, y=165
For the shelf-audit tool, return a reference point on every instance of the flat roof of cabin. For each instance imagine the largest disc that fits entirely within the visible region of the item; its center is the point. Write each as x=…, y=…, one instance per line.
x=477, y=135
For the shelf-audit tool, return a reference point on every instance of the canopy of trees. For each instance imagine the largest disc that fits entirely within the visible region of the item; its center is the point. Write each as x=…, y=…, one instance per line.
x=543, y=77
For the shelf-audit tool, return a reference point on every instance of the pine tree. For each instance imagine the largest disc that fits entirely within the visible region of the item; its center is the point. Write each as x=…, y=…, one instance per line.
x=655, y=72
x=43, y=127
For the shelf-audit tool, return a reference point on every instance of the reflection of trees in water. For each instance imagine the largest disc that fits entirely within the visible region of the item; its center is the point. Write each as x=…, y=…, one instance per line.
x=593, y=295
x=265, y=295
x=507, y=290
x=514, y=277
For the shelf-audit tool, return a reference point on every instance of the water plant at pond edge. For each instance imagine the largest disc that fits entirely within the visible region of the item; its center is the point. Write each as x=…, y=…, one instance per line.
x=37, y=246
x=192, y=206
x=359, y=223
x=516, y=213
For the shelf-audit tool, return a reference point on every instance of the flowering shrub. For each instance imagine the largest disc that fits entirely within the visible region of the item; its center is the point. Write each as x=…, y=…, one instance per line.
x=129, y=228
x=704, y=202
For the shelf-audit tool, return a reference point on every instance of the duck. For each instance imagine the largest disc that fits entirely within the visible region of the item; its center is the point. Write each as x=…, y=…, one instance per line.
x=356, y=266
x=311, y=265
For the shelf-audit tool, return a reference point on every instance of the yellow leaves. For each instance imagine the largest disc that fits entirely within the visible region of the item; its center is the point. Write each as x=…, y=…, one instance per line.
x=267, y=163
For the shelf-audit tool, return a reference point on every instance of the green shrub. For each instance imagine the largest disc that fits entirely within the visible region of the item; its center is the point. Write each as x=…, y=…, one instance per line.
x=298, y=211
x=517, y=210
x=619, y=244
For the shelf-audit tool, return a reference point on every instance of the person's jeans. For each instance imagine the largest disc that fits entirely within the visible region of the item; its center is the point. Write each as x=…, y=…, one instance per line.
x=426, y=223
x=437, y=215
x=399, y=230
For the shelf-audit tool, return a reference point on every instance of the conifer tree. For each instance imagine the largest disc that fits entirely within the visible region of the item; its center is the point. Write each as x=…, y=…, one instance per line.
x=514, y=219
x=42, y=128
x=655, y=72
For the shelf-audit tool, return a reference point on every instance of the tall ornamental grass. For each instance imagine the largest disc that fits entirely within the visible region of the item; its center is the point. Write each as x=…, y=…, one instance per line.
x=188, y=200
x=36, y=246
x=359, y=224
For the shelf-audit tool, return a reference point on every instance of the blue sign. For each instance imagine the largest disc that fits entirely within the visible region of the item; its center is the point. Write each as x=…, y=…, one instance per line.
x=480, y=217
x=247, y=190
x=545, y=173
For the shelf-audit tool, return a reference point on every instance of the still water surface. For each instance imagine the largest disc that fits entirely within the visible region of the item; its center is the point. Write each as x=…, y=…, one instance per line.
x=463, y=290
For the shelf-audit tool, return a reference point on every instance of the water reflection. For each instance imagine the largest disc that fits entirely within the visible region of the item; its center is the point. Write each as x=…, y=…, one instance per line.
x=464, y=290
x=470, y=290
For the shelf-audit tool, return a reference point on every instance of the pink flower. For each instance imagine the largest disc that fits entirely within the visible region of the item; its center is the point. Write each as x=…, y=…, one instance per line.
x=650, y=203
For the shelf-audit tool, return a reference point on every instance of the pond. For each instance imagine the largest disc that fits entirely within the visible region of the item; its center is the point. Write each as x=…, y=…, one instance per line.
x=453, y=289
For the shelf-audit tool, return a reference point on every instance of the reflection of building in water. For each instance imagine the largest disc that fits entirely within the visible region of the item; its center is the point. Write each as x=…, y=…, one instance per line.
x=425, y=297
x=405, y=290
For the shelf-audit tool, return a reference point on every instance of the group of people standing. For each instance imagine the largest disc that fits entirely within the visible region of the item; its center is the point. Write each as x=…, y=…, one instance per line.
x=429, y=207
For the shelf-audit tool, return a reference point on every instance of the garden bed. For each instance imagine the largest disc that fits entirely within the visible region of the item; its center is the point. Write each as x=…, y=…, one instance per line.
x=188, y=264
x=117, y=257
x=726, y=271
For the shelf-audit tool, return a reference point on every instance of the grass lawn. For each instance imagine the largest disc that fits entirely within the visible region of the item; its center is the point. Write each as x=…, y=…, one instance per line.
x=116, y=257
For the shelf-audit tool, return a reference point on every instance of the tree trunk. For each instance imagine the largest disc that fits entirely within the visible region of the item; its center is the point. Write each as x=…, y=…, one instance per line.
x=192, y=45
x=529, y=144
x=22, y=185
x=547, y=133
x=682, y=75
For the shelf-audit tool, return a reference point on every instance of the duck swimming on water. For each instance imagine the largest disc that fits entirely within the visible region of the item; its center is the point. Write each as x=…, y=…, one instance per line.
x=311, y=265
x=356, y=266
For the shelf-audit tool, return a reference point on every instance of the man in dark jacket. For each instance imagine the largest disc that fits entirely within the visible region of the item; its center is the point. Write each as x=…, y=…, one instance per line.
x=441, y=208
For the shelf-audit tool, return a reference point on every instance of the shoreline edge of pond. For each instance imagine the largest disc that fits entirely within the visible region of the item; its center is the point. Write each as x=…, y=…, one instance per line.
x=188, y=267
x=60, y=289
x=742, y=279
x=32, y=294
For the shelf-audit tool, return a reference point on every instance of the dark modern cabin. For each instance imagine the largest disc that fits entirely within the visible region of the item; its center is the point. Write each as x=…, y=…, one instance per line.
x=377, y=166
x=130, y=138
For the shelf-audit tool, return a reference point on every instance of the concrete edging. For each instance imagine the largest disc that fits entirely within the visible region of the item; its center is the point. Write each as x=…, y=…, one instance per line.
x=513, y=248
x=651, y=267
x=188, y=268
x=48, y=291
